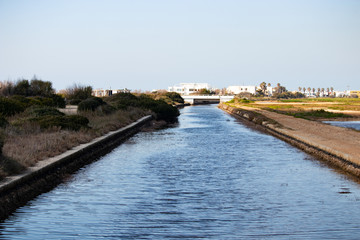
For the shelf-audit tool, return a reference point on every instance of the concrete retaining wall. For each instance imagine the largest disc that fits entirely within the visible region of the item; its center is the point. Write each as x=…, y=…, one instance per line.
x=264, y=124
x=15, y=191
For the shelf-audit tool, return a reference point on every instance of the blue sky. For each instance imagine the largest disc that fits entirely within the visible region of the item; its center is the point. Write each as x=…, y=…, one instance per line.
x=143, y=44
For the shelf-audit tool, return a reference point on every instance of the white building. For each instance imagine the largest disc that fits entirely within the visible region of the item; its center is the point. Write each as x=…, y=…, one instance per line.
x=107, y=92
x=189, y=88
x=241, y=89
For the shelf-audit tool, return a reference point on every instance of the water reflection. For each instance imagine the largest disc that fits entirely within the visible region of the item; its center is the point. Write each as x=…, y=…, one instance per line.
x=209, y=178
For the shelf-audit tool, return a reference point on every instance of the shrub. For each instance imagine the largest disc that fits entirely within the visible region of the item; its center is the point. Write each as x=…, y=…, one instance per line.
x=105, y=109
x=52, y=101
x=162, y=110
x=123, y=100
x=71, y=122
x=78, y=92
x=90, y=104
x=165, y=112
x=9, y=107
x=58, y=101
x=319, y=114
x=75, y=101
x=3, y=122
x=39, y=111
x=175, y=97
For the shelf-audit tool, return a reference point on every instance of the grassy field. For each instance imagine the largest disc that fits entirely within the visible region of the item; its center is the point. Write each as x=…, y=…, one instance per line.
x=313, y=108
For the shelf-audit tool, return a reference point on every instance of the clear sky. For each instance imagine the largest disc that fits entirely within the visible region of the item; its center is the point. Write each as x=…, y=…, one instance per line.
x=153, y=44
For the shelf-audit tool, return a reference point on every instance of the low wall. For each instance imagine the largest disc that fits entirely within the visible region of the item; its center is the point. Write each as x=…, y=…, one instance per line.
x=262, y=123
x=15, y=191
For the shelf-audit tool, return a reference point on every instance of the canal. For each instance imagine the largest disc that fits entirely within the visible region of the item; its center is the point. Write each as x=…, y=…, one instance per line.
x=209, y=177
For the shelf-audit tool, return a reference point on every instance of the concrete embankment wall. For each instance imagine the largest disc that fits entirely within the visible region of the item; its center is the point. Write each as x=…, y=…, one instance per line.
x=262, y=123
x=15, y=191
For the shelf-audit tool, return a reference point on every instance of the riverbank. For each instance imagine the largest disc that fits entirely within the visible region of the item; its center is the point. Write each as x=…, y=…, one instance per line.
x=16, y=190
x=336, y=145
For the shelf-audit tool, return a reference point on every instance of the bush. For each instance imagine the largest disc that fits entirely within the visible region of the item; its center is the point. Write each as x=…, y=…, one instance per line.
x=90, y=104
x=52, y=101
x=78, y=92
x=319, y=114
x=123, y=100
x=58, y=101
x=162, y=110
x=39, y=111
x=9, y=107
x=72, y=122
x=75, y=101
x=175, y=97
x=165, y=112
x=3, y=122
x=105, y=109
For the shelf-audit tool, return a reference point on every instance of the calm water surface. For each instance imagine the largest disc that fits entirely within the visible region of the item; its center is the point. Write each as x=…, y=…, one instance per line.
x=209, y=178
x=347, y=124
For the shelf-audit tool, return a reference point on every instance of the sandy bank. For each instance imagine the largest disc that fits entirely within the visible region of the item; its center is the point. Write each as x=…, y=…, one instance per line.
x=337, y=145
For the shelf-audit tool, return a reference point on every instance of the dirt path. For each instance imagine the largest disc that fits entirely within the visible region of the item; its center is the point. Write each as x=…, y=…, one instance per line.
x=340, y=141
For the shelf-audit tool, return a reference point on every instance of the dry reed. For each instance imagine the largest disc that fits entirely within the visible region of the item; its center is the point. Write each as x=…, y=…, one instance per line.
x=29, y=144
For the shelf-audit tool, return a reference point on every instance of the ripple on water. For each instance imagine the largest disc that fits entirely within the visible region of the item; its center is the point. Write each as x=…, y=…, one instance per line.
x=209, y=178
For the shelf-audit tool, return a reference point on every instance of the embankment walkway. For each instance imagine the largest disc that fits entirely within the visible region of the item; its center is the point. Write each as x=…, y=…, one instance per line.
x=336, y=144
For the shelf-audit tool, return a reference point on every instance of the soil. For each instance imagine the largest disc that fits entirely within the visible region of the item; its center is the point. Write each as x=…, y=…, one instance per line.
x=339, y=141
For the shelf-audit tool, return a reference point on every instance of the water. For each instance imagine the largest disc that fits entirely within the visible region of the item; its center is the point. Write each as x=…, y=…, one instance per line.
x=209, y=178
x=346, y=124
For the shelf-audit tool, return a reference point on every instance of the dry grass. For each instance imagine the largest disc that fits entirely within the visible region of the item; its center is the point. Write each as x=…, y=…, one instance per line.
x=102, y=124
x=294, y=106
x=27, y=144
x=31, y=148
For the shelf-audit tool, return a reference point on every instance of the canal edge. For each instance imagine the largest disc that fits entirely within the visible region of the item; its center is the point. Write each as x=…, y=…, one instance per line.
x=17, y=190
x=326, y=155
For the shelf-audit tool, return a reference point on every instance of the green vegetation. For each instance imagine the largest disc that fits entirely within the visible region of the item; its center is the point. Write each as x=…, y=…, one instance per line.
x=77, y=93
x=32, y=128
x=292, y=100
x=240, y=100
x=322, y=114
x=161, y=109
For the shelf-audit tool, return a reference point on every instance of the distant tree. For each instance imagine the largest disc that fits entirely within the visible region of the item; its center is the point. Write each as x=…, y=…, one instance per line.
x=332, y=92
x=300, y=89
x=22, y=87
x=40, y=88
x=77, y=93
x=313, y=90
x=263, y=86
x=304, y=89
x=309, y=89
x=204, y=91
x=279, y=89
x=259, y=93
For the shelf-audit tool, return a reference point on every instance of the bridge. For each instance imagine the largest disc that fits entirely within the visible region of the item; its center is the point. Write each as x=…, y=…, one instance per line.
x=206, y=99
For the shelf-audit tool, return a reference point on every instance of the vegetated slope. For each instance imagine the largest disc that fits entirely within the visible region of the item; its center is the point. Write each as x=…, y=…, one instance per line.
x=33, y=129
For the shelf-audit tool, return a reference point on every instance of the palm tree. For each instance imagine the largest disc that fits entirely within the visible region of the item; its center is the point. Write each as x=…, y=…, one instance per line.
x=300, y=89
x=304, y=89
